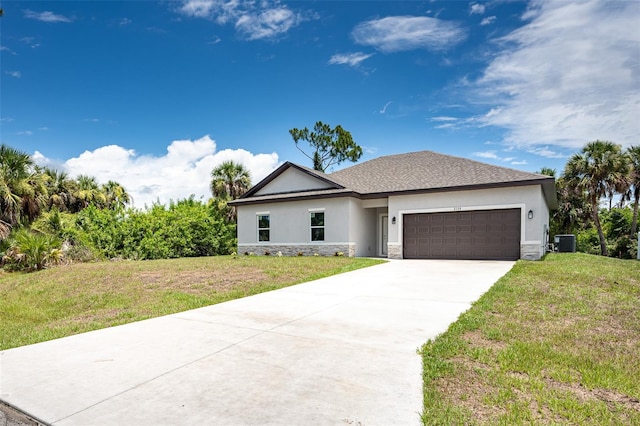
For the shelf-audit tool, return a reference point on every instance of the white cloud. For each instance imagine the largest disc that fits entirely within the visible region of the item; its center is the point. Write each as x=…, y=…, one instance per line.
x=488, y=20
x=15, y=74
x=447, y=122
x=545, y=152
x=486, y=154
x=25, y=133
x=254, y=20
x=384, y=108
x=199, y=8
x=125, y=21
x=351, y=59
x=477, y=9
x=184, y=170
x=398, y=33
x=444, y=118
x=31, y=41
x=568, y=76
x=45, y=16
x=493, y=155
x=6, y=49
x=267, y=24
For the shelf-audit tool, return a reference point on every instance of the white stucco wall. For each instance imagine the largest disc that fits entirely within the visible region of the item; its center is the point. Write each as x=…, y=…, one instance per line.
x=362, y=228
x=292, y=180
x=290, y=221
x=524, y=197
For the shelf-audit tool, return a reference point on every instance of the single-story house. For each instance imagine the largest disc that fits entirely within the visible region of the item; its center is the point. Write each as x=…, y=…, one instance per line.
x=420, y=205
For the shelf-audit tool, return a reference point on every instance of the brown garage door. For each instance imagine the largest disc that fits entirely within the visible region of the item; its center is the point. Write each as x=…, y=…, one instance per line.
x=482, y=234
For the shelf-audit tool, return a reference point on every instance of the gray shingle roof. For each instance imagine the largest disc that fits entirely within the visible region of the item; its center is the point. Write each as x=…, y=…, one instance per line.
x=421, y=171
x=424, y=170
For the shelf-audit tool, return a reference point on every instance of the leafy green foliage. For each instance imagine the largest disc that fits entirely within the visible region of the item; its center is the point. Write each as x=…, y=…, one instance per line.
x=330, y=146
x=31, y=250
x=230, y=180
x=185, y=228
x=45, y=213
x=600, y=169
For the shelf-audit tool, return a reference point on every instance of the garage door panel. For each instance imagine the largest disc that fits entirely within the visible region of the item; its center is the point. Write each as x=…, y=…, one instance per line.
x=483, y=234
x=451, y=229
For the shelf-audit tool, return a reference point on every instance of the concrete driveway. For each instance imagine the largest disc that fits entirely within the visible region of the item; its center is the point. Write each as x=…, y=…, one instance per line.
x=340, y=350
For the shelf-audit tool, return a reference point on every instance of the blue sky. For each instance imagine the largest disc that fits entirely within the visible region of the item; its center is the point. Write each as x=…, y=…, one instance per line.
x=156, y=94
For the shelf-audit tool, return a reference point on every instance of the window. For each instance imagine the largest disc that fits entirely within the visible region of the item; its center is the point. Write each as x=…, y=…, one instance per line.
x=263, y=227
x=317, y=226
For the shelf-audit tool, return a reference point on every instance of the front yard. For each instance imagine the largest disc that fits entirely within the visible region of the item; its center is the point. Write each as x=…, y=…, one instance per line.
x=553, y=342
x=67, y=300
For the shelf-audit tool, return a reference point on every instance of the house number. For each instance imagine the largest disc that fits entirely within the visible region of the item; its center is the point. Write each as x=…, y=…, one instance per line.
x=457, y=209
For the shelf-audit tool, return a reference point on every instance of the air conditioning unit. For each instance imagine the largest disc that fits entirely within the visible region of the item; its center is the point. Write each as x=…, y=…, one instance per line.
x=565, y=243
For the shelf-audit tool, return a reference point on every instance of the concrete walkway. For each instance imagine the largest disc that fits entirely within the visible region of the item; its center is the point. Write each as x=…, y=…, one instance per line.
x=336, y=351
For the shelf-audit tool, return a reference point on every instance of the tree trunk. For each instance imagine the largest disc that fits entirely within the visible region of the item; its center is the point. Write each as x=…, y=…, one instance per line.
x=634, y=221
x=596, y=219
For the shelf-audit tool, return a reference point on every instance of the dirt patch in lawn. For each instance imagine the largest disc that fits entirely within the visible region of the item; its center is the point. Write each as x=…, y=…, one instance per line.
x=605, y=395
x=199, y=282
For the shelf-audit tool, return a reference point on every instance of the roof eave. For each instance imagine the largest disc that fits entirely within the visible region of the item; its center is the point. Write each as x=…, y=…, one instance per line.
x=491, y=185
x=292, y=197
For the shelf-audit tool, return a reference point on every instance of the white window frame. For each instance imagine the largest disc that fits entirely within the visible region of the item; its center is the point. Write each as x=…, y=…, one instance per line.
x=312, y=227
x=260, y=215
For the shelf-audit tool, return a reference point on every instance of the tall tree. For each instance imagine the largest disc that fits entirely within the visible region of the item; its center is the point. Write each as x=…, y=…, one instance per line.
x=597, y=170
x=230, y=180
x=573, y=208
x=547, y=171
x=23, y=189
x=88, y=192
x=61, y=190
x=634, y=185
x=330, y=146
x=116, y=196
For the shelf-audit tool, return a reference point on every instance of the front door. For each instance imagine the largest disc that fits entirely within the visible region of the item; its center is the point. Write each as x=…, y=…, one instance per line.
x=384, y=234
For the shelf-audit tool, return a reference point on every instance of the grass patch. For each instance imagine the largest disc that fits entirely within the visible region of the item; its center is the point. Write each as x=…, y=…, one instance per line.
x=67, y=300
x=552, y=342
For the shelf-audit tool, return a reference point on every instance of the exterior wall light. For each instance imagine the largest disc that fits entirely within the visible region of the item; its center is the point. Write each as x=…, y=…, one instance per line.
x=393, y=220
x=530, y=215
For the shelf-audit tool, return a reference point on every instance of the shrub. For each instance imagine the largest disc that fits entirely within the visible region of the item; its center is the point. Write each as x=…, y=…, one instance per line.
x=624, y=248
x=31, y=250
x=587, y=241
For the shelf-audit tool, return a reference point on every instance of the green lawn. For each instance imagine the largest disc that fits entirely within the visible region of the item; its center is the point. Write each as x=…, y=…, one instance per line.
x=553, y=342
x=67, y=300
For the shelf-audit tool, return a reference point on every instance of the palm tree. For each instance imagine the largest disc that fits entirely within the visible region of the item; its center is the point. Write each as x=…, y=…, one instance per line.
x=117, y=196
x=23, y=189
x=88, y=192
x=35, y=196
x=230, y=180
x=634, y=185
x=574, y=209
x=61, y=189
x=14, y=172
x=598, y=170
x=547, y=171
